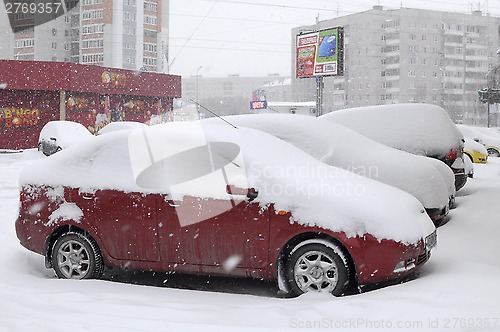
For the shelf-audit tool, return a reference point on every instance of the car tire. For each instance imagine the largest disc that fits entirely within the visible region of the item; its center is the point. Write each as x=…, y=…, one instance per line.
x=77, y=256
x=493, y=152
x=317, y=266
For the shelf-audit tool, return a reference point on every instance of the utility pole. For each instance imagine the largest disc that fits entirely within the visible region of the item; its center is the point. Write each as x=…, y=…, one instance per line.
x=319, y=95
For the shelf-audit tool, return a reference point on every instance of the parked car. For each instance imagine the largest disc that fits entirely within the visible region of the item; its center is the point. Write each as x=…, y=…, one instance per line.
x=58, y=135
x=475, y=151
x=339, y=146
x=469, y=167
x=220, y=201
x=485, y=136
x=120, y=125
x=421, y=129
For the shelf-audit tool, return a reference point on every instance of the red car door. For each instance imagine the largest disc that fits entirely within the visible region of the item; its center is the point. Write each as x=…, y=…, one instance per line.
x=125, y=222
x=238, y=236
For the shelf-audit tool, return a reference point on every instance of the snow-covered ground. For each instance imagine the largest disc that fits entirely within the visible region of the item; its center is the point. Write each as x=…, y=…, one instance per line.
x=457, y=290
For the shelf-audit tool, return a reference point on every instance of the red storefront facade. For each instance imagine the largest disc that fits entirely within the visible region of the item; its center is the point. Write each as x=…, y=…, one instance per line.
x=37, y=92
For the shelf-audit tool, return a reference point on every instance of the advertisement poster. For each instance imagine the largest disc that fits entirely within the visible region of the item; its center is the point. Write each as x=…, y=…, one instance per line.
x=320, y=53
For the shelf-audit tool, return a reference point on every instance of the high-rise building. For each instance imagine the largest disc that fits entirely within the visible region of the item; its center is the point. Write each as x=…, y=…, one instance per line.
x=409, y=55
x=128, y=34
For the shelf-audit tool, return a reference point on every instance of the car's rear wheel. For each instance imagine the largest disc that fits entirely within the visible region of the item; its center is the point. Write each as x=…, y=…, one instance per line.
x=493, y=152
x=77, y=256
x=318, y=267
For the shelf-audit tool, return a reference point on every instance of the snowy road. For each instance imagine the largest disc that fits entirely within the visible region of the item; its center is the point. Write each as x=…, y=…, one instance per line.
x=457, y=290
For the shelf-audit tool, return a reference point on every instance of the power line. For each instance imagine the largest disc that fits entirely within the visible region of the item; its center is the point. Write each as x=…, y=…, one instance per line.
x=231, y=41
x=271, y=5
x=194, y=31
x=226, y=18
x=232, y=49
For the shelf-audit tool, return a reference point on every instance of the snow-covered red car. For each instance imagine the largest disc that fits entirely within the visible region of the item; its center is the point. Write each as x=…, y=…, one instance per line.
x=421, y=129
x=213, y=199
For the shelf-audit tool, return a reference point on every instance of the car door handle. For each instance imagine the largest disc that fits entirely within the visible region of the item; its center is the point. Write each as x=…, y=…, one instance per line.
x=173, y=204
x=88, y=197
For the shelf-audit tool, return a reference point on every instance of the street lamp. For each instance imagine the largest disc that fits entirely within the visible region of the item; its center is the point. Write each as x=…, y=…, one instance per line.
x=196, y=97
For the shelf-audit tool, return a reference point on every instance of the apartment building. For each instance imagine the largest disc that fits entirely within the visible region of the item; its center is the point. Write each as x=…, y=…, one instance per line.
x=128, y=34
x=409, y=55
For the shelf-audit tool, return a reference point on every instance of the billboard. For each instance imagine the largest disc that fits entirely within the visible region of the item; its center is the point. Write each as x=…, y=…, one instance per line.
x=320, y=53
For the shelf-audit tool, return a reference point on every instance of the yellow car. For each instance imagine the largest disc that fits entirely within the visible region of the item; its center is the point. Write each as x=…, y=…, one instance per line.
x=475, y=151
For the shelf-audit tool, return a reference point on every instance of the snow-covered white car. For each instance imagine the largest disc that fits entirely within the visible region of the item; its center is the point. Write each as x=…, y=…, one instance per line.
x=120, y=125
x=486, y=136
x=469, y=167
x=218, y=201
x=421, y=129
x=58, y=135
x=342, y=147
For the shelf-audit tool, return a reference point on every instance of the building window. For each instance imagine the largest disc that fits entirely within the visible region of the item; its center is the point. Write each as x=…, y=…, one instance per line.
x=150, y=6
x=92, y=43
x=21, y=43
x=149, y=61
x=92, y=58
x=54, y=46
x=93, y=14
x=128, y=16
x=149, y=48
x=92, y=2
x=23, y=16
x=150, y=33
x=149, y=20
x=90, y=29
x=130, y=31
x=128, y=45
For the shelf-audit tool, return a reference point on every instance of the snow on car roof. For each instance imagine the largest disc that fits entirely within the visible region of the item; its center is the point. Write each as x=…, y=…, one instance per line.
x=471, y=145
x=65, y=132
x=314, y=193
x=422, y=129
x=342, y=147
x=120, y=125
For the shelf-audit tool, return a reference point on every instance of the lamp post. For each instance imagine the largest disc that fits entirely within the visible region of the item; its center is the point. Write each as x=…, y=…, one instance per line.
x=197, y=84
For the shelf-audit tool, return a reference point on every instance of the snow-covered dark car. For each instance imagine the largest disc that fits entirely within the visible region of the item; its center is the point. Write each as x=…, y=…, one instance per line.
x=58, y=135
x=421, y=129
x=213, y=199
x=342, y=147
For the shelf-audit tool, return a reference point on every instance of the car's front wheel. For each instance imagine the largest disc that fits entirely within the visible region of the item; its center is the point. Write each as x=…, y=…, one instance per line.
x=77, y=256
x=320, y=267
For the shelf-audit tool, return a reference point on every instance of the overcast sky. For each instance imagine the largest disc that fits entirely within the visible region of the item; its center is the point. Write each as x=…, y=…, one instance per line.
x=215, y=38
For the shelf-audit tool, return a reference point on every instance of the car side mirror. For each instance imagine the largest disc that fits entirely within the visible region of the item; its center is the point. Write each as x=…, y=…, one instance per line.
x=251, y=193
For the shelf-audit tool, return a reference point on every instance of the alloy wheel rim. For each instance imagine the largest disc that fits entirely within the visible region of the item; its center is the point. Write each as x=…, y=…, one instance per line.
x=316, y=271
x=73, y=260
